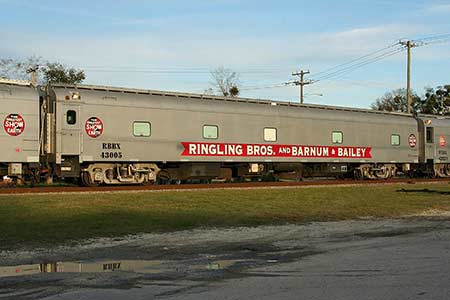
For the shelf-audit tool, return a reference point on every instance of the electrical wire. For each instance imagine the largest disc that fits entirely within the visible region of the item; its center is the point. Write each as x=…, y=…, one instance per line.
x=262, y=87
x=436, y=37
x=334, y=72
x=360, y=64
x=356, y=59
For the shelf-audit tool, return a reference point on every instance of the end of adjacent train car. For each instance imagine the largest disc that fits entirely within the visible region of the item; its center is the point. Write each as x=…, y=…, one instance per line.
x=19, y=135
x=434, y=139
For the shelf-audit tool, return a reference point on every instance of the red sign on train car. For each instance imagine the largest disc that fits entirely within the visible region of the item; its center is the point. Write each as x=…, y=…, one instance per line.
x=94, y=127
x=412, y=140
x=273, y=150
x=14, y=124
x=442, y=141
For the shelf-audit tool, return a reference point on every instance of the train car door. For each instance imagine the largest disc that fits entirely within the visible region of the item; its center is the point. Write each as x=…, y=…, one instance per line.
x=70, y=129
x=430, y=147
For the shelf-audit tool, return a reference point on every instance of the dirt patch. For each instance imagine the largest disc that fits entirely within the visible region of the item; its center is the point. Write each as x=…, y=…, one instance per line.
x=176, y=245
x=433, y=213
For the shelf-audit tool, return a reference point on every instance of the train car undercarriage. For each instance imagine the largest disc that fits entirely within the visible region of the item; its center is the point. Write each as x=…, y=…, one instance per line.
x=118, y=173
x=149, y=173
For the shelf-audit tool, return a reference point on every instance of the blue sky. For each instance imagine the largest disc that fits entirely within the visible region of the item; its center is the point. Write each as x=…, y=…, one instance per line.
x=173, y=45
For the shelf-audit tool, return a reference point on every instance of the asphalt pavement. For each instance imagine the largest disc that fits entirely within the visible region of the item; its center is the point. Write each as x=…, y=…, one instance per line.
x=371, y=259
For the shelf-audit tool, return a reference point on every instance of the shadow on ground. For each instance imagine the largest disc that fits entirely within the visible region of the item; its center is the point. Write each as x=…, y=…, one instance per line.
x=426, y=191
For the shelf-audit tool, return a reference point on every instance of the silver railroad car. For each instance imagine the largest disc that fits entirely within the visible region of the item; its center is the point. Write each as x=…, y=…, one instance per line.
x=434, y=133
x=19, y=133
x=129, y=136
x=108, y=135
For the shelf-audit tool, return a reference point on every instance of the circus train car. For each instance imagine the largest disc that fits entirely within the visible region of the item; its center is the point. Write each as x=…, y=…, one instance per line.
x=108, y=135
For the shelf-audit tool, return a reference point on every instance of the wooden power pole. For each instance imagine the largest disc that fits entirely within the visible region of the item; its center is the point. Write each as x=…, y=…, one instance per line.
x=301, y=82
x=408, y=45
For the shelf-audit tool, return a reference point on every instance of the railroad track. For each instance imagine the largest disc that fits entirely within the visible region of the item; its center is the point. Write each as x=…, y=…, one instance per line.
x=74, y=189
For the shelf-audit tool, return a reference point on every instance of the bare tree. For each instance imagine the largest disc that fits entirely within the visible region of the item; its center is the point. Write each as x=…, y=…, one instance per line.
x=18, y=69
x=47, y=72
x=225, y=82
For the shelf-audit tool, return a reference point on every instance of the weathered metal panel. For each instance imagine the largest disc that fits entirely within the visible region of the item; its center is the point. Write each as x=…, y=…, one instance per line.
x=19, y=119
x=175, y=119
x=439, y=149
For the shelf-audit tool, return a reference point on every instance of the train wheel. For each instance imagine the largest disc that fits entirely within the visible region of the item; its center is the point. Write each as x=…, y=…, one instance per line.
x=445, y=170
x=357, y=174
x=86, y=179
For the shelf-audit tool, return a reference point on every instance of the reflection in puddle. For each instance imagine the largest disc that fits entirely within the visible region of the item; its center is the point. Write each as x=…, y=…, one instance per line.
x=82, y=267
x=137, y=266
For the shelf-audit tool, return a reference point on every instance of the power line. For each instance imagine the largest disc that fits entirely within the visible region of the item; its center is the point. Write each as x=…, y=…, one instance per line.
x=408, y=45
x=181, y=70
x=356, y=59
x=174, y=71
x=262, y=87
x=426, y=40
x=358, y=65
x=350, y=66
x=327, y=74
x=372, y=57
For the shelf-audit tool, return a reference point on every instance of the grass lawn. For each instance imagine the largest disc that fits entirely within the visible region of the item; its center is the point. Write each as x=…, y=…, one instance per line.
x=33, y=220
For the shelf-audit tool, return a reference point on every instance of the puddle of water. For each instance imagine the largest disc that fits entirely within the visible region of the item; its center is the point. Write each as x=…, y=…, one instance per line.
x=102, y=266
x=223, y=264
x=139, y=266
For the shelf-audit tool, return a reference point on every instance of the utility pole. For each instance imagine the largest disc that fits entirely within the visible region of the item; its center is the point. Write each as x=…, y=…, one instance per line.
x=301, y=82
x=33, y=71
x=408, y=45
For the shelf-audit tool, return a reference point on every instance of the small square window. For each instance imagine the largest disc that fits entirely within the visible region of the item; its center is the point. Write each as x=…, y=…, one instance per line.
x=71, y=117
x=337, y=137
x=210, y=131
x=142, y=129
x=270, y=134
x=395, y=140
x=429, y=135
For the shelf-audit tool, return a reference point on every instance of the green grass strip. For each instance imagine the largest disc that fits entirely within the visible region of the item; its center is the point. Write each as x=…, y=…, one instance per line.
x=36, y=220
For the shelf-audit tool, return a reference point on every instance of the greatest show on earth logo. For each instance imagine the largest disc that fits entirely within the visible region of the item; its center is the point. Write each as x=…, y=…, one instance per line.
x=412, y=140
x=94, y=127
x=442, y=141
x=14, y=124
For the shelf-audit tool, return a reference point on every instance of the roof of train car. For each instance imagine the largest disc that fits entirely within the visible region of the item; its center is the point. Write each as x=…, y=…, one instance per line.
x=19, y=89
x=225, y=99
x=24, y=83
x=15, y=82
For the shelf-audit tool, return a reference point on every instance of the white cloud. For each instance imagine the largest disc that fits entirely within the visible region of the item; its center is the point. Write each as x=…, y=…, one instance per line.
x=207, y=48
x=269, y=59
x=438, y=9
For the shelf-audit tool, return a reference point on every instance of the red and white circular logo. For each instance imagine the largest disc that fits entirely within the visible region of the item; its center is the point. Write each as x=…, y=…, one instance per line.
x=14, y=124
x=412, y=140
x=442, y=141
x=94, y=127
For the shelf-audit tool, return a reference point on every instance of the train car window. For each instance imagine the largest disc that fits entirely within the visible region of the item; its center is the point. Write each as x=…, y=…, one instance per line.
x=430, y=135
x=395, y=140
x=71, y=117
x=337, y=137
x=270, y=134
x=142, y=129
x=210, y=131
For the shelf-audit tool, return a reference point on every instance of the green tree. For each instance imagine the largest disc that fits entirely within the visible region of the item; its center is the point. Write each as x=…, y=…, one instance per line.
x=58, y=73
x=436, y=101
x=395, y=101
